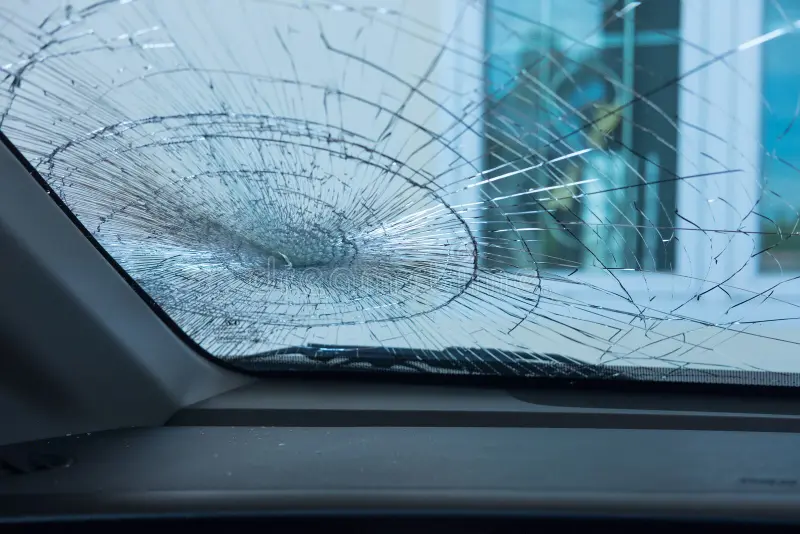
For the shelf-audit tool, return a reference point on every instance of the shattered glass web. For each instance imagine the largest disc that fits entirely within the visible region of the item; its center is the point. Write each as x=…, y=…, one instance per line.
x=279, y=173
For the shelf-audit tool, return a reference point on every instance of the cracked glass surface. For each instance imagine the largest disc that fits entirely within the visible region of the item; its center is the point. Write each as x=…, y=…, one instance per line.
x=470, y=186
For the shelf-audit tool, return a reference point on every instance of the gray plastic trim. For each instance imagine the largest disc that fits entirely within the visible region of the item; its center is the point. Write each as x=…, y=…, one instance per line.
x=81, y=351
x=656, y=473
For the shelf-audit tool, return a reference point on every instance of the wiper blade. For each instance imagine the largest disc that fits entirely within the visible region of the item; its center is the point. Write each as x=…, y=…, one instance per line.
x=451, y=360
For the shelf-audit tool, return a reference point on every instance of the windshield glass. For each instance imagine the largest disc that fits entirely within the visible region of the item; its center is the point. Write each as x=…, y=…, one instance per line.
x=498, y=186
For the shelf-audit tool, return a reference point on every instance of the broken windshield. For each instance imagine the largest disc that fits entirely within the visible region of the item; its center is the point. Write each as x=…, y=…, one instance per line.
x=485, y=186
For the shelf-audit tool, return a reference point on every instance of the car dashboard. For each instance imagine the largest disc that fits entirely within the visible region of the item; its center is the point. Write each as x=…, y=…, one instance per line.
x=427, y=458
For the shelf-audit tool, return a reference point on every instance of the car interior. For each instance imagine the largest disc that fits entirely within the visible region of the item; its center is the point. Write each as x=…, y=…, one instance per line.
x=130, y=399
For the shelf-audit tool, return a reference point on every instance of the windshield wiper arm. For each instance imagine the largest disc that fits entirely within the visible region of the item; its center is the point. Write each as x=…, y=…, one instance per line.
x=451, y=360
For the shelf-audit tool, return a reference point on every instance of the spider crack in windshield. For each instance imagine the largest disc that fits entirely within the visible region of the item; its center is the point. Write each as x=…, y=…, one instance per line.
x=280, y=174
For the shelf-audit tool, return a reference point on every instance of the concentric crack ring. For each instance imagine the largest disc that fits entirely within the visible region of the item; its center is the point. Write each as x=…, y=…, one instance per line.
x=288, y=245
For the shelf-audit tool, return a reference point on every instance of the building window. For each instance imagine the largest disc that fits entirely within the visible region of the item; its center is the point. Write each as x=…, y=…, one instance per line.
x=559, y=77
x=780, y=136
